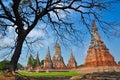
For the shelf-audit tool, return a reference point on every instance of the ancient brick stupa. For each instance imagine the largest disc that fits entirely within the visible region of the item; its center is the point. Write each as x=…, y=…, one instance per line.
x=57, y=59
x=37, y=66
x=98, y=57
x=48, y=62
x=72, y=62
x=98, y=54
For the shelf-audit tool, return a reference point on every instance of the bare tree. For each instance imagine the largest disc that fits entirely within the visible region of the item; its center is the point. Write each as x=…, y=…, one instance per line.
x=25, y=15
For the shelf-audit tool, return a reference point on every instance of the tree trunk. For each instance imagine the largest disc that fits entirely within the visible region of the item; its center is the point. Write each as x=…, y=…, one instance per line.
x=17, y=52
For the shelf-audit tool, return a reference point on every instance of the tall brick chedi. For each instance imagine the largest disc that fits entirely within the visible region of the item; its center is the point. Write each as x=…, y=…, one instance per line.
x=72, y=62
x=37, y=65
x=48, y=62
x=98, y=54
x=57, y=59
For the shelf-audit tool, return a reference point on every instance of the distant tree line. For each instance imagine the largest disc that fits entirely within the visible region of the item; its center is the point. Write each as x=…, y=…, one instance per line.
x=4, y=65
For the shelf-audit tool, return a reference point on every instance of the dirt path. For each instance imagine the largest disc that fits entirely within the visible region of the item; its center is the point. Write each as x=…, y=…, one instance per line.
x=2, y=77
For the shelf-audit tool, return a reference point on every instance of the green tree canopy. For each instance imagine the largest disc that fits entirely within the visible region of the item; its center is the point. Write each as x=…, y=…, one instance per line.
x=5, y=63
x=42, y=62
x=30, y=60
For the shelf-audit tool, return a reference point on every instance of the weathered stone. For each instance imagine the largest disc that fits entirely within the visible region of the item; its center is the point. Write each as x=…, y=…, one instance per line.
x=57, y=59
x=102, y=76
x=98, y=69
x=75, y=78
x=29, y=68
x=72, y=62
x=37, y=66
x=98, y=54
x=48, y=62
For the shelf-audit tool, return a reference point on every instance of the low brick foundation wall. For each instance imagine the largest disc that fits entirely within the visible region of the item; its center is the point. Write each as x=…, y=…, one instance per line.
x=98, y=69
x=102, y=76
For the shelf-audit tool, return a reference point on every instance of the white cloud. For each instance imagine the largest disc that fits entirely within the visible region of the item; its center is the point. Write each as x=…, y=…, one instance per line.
x=6, y=41
x=60, y=13
x=36, y=33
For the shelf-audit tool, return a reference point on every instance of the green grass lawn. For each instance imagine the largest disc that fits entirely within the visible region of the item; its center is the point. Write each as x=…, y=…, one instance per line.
x=48, y=74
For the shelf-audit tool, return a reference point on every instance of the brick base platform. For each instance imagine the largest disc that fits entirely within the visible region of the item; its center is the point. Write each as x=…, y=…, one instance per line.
x=98, y=69
x=102, y=76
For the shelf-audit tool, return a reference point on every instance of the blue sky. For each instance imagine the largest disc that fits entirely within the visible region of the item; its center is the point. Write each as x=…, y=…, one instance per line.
x=80, y=52
x=113, y=44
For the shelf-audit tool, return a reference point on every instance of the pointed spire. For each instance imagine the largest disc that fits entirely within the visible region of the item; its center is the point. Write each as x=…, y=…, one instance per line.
x=57, y=58
x=48, y=62
x=57, y=45
x=48, y=57
x=48, y=52
x=72, y=62
x=96, y=40
x=95, y=35
x=93, y=24
x=57, y=50
x=72, y=57
x=48, y=49
x=37, y=59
